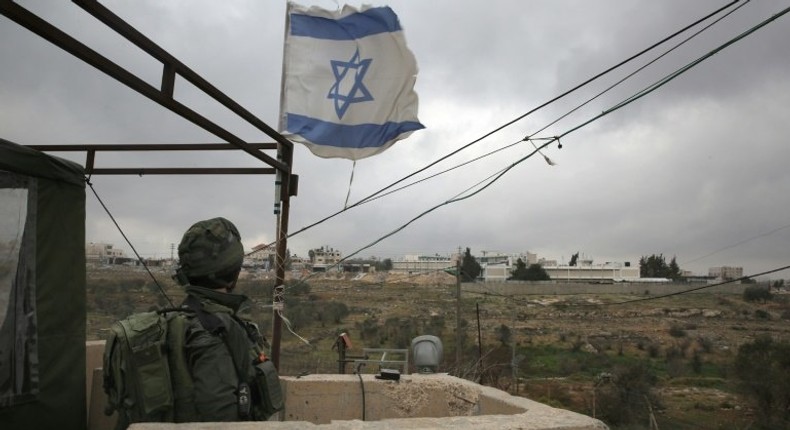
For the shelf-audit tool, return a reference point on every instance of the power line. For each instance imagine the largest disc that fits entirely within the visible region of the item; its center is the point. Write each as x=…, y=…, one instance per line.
x=628, y=76
x=737, y=244
x=496, y=176
x=120, y=230
x=509, y=123
x=644, y=299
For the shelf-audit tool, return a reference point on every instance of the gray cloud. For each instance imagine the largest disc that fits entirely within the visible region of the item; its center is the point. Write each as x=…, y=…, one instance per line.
x=691, y=169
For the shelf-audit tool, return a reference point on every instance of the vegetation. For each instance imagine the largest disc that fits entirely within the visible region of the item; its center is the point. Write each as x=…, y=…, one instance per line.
x=677, y=356
x=757, y=293
x=763, y=369
x=655, y=266
x=384, y=265
x=627, y=395
x=535, y=272
x=470, y=268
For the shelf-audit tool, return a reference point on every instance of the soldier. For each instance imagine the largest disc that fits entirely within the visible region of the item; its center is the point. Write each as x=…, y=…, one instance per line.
x=210, y=256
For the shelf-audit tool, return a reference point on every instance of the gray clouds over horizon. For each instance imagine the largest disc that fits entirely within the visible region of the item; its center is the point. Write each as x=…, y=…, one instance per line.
x=697, y=166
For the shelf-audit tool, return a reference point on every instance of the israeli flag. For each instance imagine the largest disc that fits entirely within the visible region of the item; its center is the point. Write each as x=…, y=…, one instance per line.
x=348, y=81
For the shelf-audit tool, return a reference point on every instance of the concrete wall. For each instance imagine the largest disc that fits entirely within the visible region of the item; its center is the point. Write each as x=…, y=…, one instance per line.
x=559, y=287
x=416, y=402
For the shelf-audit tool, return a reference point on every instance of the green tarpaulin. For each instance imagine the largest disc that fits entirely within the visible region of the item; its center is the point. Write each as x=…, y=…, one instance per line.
x=42, y=291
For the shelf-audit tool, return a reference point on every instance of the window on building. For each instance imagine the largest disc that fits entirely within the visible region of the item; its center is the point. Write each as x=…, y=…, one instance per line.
x=18, y=338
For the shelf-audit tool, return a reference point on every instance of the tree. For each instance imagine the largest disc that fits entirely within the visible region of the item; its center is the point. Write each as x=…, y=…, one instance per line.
x=757, y=294
x=470, y=268
x=624, y=399
x=759, y=366
x=674, y=269
x=535, y=272
x=384, y=265
x=520, y=272
x=503, y=334
x=655, y=266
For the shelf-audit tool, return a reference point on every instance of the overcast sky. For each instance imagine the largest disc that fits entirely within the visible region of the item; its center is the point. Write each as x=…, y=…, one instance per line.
x=698, y=169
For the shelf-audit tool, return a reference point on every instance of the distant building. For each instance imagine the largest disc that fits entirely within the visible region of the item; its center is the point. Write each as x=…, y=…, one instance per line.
x=585, y=270
x=725, y=273
x=423, y=263
x=497, y=272
x=324, y=258
x=262, y=256
x=615, y=272
x=102, y=253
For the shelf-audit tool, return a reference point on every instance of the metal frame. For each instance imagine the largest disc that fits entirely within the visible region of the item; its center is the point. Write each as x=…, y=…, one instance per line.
x=285, y=182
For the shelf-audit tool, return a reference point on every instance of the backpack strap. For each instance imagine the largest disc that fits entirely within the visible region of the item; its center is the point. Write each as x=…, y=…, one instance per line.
x=183, y=386
x=238, y=349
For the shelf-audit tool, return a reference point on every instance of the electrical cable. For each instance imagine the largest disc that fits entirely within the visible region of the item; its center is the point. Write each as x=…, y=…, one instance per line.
x=442, y=172
x=140, y=259
x=644, y=299
x=630, y=75
x=641, y=299
x=362, y=385
x=649, y=89
x=509, y=123
x=497, y=175
x=736, y=244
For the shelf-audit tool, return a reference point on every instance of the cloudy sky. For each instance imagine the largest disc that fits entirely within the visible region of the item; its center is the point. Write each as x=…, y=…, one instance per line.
x=699, y=169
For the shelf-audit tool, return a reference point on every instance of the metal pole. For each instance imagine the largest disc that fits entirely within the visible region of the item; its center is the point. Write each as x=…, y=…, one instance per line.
x=479, y=344
x=286, y=154
x=458, y=343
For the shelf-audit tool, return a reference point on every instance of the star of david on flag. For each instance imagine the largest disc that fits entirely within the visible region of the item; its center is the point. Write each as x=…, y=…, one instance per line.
x=348, y=81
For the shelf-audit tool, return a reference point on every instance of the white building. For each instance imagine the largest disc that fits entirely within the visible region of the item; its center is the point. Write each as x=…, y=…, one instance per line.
x=424, y=263
x=102, y=253
x=262, y=256
x=585, y=270
x=616, y=272
x=324, y=258
x=725, y=273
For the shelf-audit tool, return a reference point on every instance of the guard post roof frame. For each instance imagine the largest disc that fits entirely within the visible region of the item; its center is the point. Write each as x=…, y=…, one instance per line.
x=164, y=96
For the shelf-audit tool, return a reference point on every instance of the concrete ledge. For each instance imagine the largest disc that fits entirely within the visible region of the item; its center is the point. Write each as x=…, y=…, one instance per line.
x=415, y=402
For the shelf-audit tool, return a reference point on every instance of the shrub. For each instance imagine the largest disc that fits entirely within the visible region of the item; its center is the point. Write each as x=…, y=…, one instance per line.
x=755, y=293
x=675, y=330
x=758, y=367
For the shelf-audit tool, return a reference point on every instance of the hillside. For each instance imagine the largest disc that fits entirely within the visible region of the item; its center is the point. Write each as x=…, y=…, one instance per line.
x=565, y=346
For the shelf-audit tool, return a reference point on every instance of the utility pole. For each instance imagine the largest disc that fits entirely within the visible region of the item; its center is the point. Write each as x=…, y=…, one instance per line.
x=458, y=343
x=513, y=362
x=479, y=345
x=285, y=187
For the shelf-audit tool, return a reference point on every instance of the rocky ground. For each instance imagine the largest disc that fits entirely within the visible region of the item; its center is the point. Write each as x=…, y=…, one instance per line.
x=562, y=343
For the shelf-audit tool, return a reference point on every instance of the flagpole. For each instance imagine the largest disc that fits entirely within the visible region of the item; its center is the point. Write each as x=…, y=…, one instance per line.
x=286, y=186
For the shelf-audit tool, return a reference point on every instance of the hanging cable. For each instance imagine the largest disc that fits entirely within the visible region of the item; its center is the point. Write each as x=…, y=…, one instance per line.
x=548, y=160
x=736, y=244
x=630, y=75
x=496, y=176
x=509, y=123
x=691, y=290
x=362, y=386
x=120, y=230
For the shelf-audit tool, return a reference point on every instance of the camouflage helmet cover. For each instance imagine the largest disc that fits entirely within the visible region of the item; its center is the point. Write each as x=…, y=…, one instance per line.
x=210, y=247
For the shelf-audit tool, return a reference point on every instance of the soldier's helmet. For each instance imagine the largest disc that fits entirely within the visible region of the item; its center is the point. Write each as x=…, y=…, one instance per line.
x=210, y=249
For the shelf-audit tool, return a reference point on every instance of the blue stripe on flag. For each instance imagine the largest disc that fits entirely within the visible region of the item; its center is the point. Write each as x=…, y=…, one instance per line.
x=355, y=26
x=348, y=136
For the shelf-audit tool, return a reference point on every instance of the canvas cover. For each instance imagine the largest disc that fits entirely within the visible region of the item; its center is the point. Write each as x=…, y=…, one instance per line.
x=42, y=290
